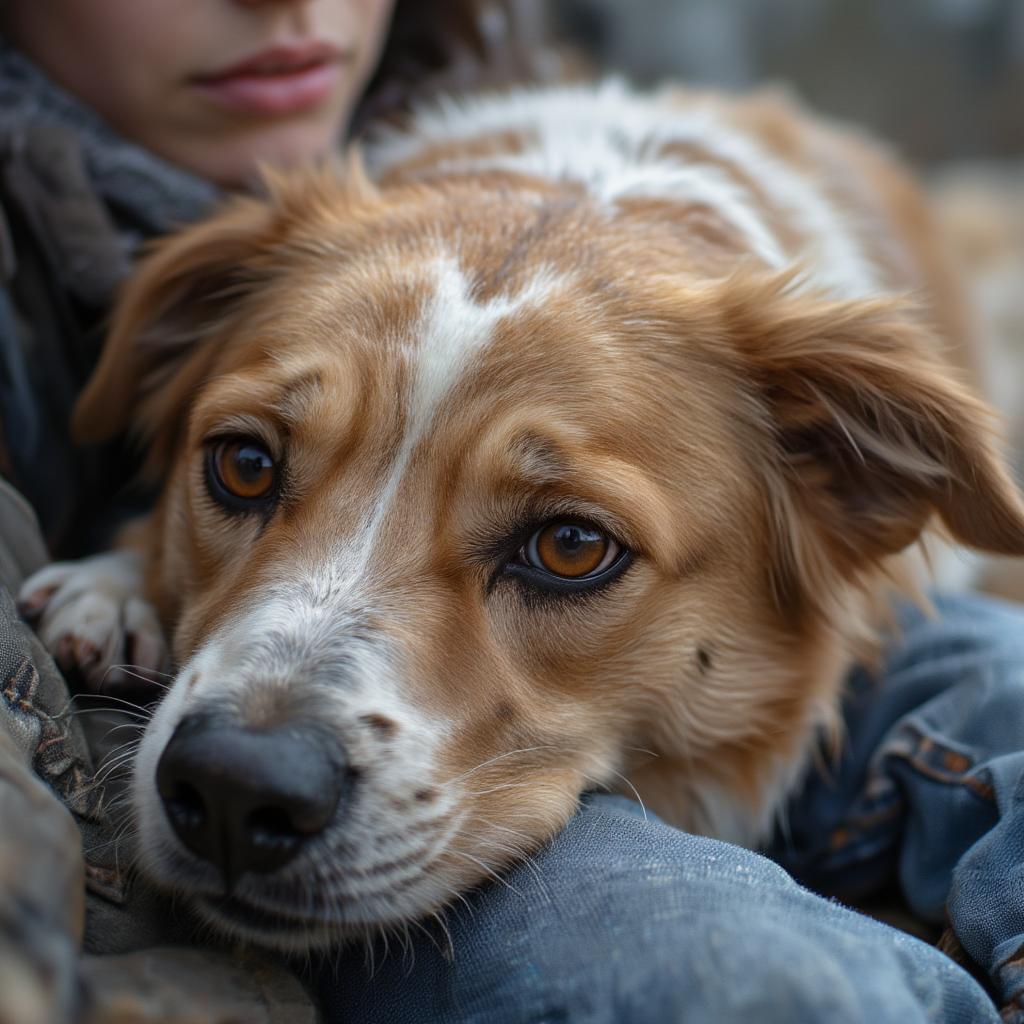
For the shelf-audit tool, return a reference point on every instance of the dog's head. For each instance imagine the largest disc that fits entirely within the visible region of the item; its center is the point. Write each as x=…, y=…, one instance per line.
x=475, y=498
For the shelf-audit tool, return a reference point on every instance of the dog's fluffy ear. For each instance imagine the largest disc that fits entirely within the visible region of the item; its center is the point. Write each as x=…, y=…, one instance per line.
x=154, y=355
x=185, y=292
x=873, y=435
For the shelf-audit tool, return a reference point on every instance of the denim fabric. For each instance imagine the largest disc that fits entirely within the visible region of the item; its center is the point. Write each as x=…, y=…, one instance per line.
x=931, y=786
x=627, y=921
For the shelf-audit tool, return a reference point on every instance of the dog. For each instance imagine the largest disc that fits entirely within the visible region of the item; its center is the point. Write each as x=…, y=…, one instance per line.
x=567, y=439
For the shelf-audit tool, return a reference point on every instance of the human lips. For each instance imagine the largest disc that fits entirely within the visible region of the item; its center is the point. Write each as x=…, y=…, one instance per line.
x=281, y=79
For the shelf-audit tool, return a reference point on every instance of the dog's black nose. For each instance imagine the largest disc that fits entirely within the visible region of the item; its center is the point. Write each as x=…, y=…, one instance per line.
x=246, y=799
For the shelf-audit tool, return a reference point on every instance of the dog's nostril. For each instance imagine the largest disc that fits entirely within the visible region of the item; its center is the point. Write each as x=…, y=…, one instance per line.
x=185, y=807
x=272, y=828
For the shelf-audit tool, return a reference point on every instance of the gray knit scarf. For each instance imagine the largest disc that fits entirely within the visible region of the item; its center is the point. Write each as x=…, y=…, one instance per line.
x=155, y=193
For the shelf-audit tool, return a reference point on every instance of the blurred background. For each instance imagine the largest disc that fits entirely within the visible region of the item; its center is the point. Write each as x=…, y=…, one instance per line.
x=942, y=78
x=942, y=81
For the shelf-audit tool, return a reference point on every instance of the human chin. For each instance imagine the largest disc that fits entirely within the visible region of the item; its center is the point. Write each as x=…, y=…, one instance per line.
x=234, y=162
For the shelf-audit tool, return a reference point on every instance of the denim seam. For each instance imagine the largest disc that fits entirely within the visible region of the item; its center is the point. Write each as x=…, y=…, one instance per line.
x=957, y=773
x=872, y=819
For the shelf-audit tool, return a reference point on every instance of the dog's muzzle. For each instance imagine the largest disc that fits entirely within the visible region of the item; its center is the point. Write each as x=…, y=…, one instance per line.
x=249, y=799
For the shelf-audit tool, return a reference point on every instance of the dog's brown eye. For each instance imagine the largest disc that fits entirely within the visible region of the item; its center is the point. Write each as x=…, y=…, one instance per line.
x=244, y=469
x=571, y=550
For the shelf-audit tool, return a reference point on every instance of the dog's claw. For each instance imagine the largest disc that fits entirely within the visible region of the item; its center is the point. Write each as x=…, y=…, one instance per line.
x=32, y=604
x=86, y=654
x=62, y=652
x=92, y=618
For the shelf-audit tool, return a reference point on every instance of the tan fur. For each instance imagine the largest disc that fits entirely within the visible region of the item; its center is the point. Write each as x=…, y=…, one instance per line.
x=766, y=453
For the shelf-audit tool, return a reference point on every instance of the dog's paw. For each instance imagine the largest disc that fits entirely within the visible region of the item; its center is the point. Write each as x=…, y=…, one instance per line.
x=91, y=616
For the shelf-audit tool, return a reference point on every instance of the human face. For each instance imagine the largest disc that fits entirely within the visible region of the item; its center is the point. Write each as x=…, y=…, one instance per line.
x=217, y=86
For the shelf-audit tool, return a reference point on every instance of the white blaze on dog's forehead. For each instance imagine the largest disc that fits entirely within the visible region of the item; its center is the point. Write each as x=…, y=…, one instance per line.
x=451, y=332
x=453, y=328
x=613, y=141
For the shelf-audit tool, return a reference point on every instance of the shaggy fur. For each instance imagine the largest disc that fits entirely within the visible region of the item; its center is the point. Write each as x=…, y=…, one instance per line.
x=712, y=329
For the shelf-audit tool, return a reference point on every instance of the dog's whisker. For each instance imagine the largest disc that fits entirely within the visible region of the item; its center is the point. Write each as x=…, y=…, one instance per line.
x=142, y=716
x=115, y=759
x=135, y=741
x=101, y=686
x=499, y=788
x=446, y=952
x=408, y=947
x=517, y=855
x=122, y=836
x=643, y=750
x=111, y=771
x=485, y=867
x=139, y=709
x=517, y=851
x=464, y=900
x=139, y=729
x=370, y=958
x=146, y=672
x=114, y=766
x=500, y=757
x=104, y=775
x=505, y=828
x=140, y=672
x=119, y=809
x=605, y=786
x=440, y=916
x=120, y=755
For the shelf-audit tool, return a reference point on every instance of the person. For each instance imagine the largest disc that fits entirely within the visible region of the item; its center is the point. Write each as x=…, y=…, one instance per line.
x=122, y=118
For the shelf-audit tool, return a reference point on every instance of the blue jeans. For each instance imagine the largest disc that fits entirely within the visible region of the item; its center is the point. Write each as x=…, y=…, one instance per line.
x=623, y=919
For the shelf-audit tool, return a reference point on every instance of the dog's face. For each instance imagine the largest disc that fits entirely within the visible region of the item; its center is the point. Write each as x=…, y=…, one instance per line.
x=489, y=521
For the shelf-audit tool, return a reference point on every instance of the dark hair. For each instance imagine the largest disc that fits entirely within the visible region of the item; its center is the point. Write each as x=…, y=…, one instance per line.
x=435, y=45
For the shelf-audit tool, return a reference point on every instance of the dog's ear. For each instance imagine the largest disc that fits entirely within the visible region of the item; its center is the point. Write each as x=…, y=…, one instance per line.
x=873, y=435
x=176, y=300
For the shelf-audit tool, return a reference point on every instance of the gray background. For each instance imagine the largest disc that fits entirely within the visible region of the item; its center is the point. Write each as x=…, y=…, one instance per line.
x=943, y=79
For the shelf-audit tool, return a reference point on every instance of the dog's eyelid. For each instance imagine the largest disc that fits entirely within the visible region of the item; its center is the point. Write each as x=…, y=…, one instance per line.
x=218, y=425
x=617, y=531
x=546, y=585
x=502, y=541
x=251, y=432
x=583, y=510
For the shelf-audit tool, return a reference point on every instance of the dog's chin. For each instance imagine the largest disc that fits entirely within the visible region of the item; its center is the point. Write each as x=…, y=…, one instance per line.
x=285, y=932
x=286, y=914
x=299, y=927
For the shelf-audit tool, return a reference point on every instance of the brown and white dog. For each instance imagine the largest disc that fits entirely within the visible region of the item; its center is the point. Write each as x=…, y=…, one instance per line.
x=576, y=445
